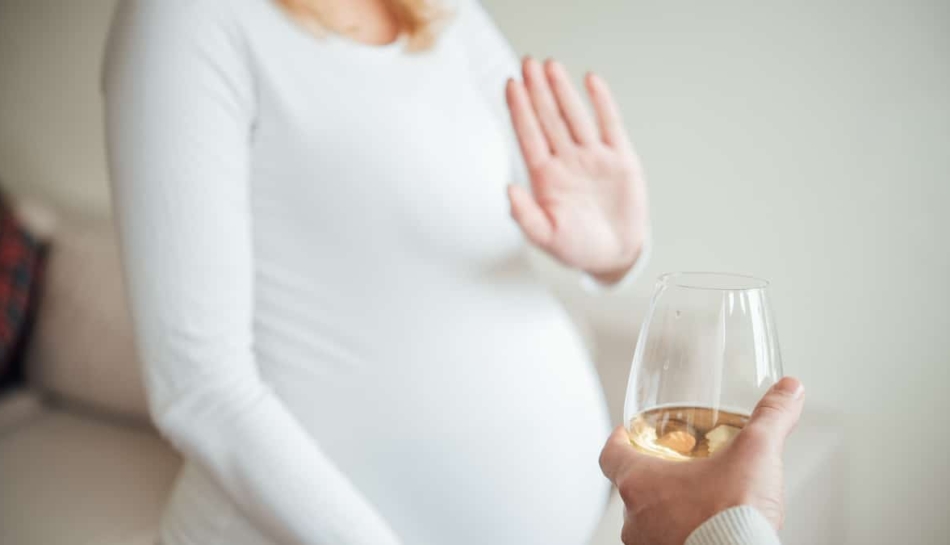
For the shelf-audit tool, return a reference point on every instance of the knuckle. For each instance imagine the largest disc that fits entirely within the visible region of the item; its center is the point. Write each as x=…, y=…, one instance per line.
x=769, y=406
x=752, y=443
x=753, y=435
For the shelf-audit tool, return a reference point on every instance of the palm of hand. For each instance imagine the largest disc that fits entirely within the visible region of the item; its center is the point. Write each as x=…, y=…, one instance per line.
x=588, y=205
x=595, y=214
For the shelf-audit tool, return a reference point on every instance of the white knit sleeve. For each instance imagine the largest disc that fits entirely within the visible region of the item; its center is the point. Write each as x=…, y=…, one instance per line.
x=179, y=108
x=742, y=525
x=492, y=61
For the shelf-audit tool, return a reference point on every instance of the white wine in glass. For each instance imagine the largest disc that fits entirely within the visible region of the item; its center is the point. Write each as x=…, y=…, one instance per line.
x=707, y=351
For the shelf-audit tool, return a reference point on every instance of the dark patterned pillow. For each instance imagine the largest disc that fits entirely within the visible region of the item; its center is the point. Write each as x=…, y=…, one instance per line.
x=21, y=265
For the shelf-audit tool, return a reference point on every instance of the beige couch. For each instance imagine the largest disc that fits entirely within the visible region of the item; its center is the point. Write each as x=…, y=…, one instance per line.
x=81, y=465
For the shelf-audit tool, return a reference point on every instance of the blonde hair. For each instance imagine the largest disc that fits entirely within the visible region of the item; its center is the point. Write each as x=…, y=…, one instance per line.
x=419, y=20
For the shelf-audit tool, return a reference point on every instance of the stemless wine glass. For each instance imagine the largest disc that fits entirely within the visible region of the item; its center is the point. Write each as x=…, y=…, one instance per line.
x=707, y=351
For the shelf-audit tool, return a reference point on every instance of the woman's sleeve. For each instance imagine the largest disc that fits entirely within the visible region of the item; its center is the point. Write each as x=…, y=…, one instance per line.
x=491, y=63
x=179, y=105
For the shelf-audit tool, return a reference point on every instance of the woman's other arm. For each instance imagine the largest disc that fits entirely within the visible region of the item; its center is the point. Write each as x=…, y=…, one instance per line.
x=179, y=107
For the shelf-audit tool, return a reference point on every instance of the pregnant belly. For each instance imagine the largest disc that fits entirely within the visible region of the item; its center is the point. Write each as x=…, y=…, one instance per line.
x=471, y=433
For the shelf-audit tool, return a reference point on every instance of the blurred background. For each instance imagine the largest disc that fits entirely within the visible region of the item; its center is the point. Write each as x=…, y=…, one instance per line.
x=804, y=142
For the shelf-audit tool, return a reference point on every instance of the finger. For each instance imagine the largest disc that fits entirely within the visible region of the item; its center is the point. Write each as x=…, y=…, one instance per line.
x=534, y=146
x=530, y=217
x=542, y=99
x=618, y=458
x=570, y=103
x=779, y=410
x=612, y=131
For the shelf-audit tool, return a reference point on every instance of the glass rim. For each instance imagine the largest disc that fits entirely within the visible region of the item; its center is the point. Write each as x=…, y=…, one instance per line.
x=717, y=281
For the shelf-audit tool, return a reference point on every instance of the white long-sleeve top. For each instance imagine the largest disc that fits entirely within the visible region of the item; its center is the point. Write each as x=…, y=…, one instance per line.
x=339, y=326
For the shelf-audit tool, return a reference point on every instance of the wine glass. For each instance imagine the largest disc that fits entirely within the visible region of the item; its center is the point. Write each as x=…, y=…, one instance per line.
x=707, y=352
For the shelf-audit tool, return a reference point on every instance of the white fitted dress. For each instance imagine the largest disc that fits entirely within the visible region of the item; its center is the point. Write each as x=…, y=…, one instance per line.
x=339, y=326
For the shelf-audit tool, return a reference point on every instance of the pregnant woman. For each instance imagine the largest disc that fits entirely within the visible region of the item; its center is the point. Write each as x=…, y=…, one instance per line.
x=325, y=245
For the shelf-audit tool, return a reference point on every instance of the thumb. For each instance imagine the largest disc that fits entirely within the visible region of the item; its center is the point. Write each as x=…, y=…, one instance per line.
x=779, y=410
x=530, y=217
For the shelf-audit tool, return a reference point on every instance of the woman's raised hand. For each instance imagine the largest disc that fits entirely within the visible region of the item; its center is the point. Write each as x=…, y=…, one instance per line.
x=588, y=205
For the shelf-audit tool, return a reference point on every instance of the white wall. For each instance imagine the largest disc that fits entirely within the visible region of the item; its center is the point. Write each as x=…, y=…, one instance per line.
x=51, y=141
x=807, y=142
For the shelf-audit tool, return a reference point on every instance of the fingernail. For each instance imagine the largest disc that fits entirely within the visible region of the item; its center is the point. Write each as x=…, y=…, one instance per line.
x=790, y=386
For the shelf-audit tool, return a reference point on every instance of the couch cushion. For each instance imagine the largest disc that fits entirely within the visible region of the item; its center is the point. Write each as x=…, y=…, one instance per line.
x=83, y=349
x=69, y=479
